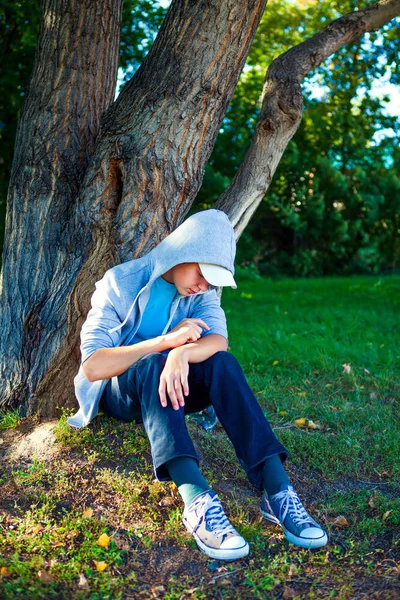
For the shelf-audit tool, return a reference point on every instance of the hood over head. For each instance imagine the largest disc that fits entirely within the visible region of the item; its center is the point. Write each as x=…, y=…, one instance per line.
x=207, y=237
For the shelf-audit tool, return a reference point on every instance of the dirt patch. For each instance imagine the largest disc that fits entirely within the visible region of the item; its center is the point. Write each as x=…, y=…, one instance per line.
x=24, y=444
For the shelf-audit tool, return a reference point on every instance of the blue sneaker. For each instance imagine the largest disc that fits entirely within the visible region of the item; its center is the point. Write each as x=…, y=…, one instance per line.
x=285, y=509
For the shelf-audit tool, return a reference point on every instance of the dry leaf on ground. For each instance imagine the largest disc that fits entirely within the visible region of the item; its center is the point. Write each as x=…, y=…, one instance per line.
x=103, y=540
x=45, y=577
x=100, y=565
x=346, y=368
x=312, y=425
x=288, y=593
x=341, y=522
x=83, y=582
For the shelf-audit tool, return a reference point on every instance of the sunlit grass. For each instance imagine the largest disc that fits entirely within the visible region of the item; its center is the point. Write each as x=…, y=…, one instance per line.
x=292, y=339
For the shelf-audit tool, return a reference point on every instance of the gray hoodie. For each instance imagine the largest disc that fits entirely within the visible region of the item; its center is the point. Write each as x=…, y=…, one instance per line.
x=121, y=296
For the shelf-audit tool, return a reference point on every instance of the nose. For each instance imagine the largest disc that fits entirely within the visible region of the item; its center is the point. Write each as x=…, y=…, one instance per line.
x=203, y=285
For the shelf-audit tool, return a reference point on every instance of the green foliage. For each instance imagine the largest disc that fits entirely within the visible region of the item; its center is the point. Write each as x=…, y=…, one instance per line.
x=9, y=418
x=332, y=206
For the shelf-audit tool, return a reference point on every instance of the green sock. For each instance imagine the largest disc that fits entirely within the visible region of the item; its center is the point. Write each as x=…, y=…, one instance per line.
x=274, y=475
x=186, y=475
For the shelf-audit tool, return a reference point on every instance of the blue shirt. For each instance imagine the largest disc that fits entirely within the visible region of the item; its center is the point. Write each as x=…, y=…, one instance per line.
x=156, y=313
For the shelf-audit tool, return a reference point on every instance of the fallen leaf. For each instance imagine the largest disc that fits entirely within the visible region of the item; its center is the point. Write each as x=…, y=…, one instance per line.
x=83, y=582
x=373, y=396
x=300, y=422
x=371, y=502
x=37, y=528
x=100, y=565
x=385, y=516
x=87, y=513
x=346, y=368
x=103, y=540
x=292, y=570
x=387, y=474
x=159, y=589
x=367, y=372
x=283, y=412
x=276, y=362
x=4, y=572
x=341, y=522
x=45, y=577
x=288, y=593
x=312, y=425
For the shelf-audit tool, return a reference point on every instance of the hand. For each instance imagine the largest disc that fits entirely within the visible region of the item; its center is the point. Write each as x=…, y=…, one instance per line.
x=188, y=330
x=174, y=379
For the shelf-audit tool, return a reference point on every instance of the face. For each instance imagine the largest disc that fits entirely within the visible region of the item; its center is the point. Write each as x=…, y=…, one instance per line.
x=187, y=278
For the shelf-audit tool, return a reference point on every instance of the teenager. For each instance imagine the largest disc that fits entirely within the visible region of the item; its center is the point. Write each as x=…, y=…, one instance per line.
x=154, y=349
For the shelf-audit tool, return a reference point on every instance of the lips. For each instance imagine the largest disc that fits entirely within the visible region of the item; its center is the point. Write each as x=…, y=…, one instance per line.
x=191, y=291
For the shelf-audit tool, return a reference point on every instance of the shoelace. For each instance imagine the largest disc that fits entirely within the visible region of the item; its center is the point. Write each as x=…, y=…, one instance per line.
x=291, y=503
x=214, y=514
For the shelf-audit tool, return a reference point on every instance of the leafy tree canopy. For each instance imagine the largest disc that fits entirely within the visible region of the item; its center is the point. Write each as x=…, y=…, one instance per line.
x=332, y=205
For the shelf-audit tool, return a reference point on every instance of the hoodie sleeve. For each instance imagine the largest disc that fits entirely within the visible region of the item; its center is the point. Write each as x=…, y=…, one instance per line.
x=101, y=318
x=208, y=308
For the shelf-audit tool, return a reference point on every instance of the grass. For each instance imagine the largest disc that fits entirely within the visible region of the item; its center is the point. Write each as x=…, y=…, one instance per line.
x=340, y=425
x=9, y=419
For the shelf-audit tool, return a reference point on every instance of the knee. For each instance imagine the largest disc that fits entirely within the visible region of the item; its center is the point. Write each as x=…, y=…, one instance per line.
x=224, y=359
x=153, y=362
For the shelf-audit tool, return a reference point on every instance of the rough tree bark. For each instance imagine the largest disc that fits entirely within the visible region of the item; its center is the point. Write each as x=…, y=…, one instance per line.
x=69, y=219
x=144, y=172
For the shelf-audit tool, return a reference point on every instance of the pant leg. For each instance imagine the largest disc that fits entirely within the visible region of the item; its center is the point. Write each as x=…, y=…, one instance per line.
x=133, y=396
x=120, y=398
x=239, y=413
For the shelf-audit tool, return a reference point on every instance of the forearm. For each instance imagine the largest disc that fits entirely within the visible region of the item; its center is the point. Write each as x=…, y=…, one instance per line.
x=110, y=362
x=204, y=347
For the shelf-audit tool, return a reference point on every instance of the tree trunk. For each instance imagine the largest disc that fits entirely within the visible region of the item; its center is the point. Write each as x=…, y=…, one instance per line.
x=146, y=168
x=68, y=220
x=73, y=82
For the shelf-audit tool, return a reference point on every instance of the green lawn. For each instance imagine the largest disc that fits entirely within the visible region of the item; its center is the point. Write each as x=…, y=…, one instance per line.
x=340, y=424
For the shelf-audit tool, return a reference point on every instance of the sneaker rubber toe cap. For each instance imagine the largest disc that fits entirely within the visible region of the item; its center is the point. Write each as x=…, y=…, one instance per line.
x=312, y=533
x=233, y=543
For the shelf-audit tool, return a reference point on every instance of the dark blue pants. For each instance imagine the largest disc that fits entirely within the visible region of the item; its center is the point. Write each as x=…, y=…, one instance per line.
x=220, y=381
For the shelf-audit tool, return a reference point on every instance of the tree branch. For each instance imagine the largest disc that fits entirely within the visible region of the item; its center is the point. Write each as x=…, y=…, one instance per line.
x=282, y=105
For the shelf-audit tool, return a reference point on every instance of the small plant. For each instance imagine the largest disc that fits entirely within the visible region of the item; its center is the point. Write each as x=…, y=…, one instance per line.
x=9, y=418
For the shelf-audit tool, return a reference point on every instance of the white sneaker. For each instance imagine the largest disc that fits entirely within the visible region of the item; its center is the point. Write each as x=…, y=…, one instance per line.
x=209, y=525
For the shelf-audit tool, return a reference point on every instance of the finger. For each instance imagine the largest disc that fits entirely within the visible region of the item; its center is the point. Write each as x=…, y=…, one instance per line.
x=161, y=392
x=201, y=322
x=178, y=389
x=172, y=394
x=195, y=329
x=185, y=384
